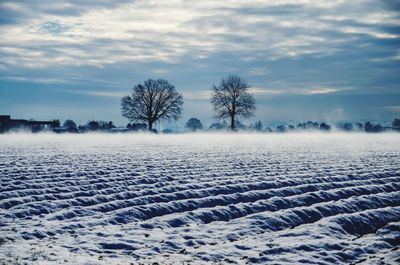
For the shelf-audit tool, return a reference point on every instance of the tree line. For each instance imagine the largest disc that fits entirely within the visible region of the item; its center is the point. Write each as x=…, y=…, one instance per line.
x=194, y=124
x=158, y=100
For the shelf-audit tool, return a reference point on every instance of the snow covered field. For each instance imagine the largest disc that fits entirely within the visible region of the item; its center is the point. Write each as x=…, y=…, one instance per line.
x=201, y=198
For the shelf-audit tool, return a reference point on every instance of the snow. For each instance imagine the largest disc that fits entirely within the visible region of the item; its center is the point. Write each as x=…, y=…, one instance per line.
x=200, y=198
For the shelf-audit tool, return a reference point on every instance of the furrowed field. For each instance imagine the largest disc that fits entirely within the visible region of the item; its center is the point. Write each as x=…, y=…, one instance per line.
x=200, y=199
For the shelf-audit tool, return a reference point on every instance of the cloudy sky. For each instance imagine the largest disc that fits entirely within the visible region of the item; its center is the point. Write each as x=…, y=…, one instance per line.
x=305, y=59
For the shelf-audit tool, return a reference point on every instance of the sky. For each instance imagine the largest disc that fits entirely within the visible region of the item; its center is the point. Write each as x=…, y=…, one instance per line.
x=305, y=59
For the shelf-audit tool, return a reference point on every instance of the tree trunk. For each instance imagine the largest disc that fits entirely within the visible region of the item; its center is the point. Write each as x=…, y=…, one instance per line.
x=150, y=125
x=232, y=122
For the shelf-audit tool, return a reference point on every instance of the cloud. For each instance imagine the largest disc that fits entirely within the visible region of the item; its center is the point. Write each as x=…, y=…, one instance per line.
x=321, y=90
x=69, y=33
x=295, y=91
x=265, y=91
x=392, y=108
x=106, y=94
x=53, y=27
x=34, y=79
x=197, y=95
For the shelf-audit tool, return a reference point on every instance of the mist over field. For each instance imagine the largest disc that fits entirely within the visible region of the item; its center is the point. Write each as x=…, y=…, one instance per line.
x=135, y=141
x=200, y=198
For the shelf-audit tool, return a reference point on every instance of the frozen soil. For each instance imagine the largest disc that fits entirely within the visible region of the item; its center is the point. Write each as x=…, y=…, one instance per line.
x=200, y=199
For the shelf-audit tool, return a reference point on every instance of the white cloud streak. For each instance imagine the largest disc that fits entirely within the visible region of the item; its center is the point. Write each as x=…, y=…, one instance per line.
x=296, y=91
x=392, y=108
x=94, y=93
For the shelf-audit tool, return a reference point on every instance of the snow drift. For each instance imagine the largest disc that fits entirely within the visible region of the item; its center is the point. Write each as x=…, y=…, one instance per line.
x=200, y=198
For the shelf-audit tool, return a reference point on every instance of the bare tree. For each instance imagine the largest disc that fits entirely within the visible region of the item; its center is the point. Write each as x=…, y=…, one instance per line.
x=231, y=99
x=152, y=101
x=69, y=124
x=193, y=124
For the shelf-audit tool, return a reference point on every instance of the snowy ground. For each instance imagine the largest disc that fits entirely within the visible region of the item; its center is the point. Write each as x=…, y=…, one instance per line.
x=200, y=199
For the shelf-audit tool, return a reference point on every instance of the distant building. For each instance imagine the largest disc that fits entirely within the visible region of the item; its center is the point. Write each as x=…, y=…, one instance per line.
x=8, y=124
